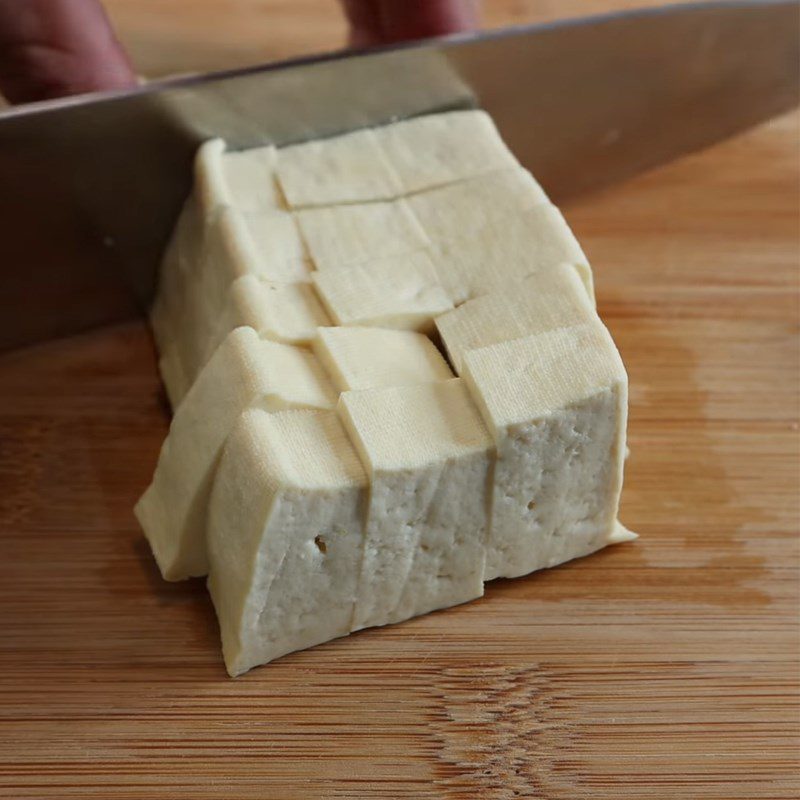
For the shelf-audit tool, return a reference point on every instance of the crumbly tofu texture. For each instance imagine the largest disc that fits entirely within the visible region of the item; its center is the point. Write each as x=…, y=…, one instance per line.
x=556, y=404
x=285, y=535
x=370, y=358
x=401, y=292
x=245, y=371
x=428, y=456
x=549, y=299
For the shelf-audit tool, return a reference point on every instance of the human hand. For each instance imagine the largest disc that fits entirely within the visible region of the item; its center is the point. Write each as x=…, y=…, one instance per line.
x=54, y=48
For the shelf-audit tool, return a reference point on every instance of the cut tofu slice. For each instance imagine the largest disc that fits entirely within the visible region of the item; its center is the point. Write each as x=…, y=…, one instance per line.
x=456, y=210
x=437, y=149
x=343, y=169
x=244, y=181
x=347, y=235
x=428, y=456
x=285, y=535
x=556, y=404
x=245, y=371
x=509, y=249
x=289, y=313
x=369, y=358
x=402, y=292
x=547, y=300
x=267, y=246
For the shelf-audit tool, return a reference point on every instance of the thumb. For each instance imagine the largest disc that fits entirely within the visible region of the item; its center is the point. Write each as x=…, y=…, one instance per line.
x=53, y=48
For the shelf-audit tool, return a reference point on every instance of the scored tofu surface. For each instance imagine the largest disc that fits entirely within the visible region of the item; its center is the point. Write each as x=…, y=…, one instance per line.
x=324, y=466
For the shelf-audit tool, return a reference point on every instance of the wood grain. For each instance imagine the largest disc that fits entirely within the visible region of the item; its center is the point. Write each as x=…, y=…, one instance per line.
x=663, y=669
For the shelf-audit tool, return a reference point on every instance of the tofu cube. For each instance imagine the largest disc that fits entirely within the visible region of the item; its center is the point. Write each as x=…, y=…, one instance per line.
x=285, y=535
x=428, y=456
x=556, y=404
x=348, y=235
x=244, y=372
x=343, y=169
x=369, y=358
x=402, y=292
x=437, y=149
x=549, y=299
x=458, y=209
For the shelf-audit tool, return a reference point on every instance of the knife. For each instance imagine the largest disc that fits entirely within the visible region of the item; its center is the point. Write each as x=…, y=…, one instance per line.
x=91, y=186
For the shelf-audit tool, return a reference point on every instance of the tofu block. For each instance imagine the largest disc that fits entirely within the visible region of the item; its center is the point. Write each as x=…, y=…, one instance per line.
x=289, y=313
x=437, y=149
x=347, y=235
x=343, y=169
x=244, y=372
x=556, y=404
x=547, y=300
x=236, y=244
x=456, y=210
x=285, y=535
x=510, y=249
x=402, y=292
x=369, y=358
x=428, y=457
x=244, y=181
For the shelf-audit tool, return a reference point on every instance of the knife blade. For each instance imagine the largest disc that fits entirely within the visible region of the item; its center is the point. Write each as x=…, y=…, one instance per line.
x=92, y=185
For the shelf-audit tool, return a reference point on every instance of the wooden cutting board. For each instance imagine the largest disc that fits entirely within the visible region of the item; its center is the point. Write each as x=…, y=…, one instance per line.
x=667, y=668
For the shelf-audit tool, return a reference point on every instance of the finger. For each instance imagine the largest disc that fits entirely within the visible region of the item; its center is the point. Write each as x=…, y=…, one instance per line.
x=53, y=48
x=385, y=21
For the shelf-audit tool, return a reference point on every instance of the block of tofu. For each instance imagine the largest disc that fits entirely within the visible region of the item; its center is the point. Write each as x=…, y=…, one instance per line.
x=437, y=149
x=368, y=358
x=402, y=292
x=550, y=299
x=509, y=249
x=236, y=244
x=458, y=209
x=245, y=372
x=244, y=181
x=347, y=235
x=289, y=313
x=556, y=404
x=285, y=535
x=428, y=456
x=343, y=169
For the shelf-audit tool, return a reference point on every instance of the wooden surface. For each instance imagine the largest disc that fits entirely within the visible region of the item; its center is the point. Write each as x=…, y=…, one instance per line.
x=663, y=669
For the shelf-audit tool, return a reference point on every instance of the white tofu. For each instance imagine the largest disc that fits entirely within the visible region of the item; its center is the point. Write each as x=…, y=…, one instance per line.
x=437, y=149
x=244, y=181
x=347, y=235
x=550, y=299
x=556, y=403
x=428, y=457
x=369, y=358
x=236, y=244
x=244, y=372
x=285, y=535
x=458, y=209
x=401, y=292
x=289, y=313
x=343, y=169
x=508, y=249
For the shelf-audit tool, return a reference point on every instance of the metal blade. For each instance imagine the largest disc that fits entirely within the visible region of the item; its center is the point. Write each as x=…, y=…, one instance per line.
x=92, y=187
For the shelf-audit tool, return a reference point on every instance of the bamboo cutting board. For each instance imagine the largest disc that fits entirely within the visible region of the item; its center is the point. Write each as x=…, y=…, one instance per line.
x=667, y=668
